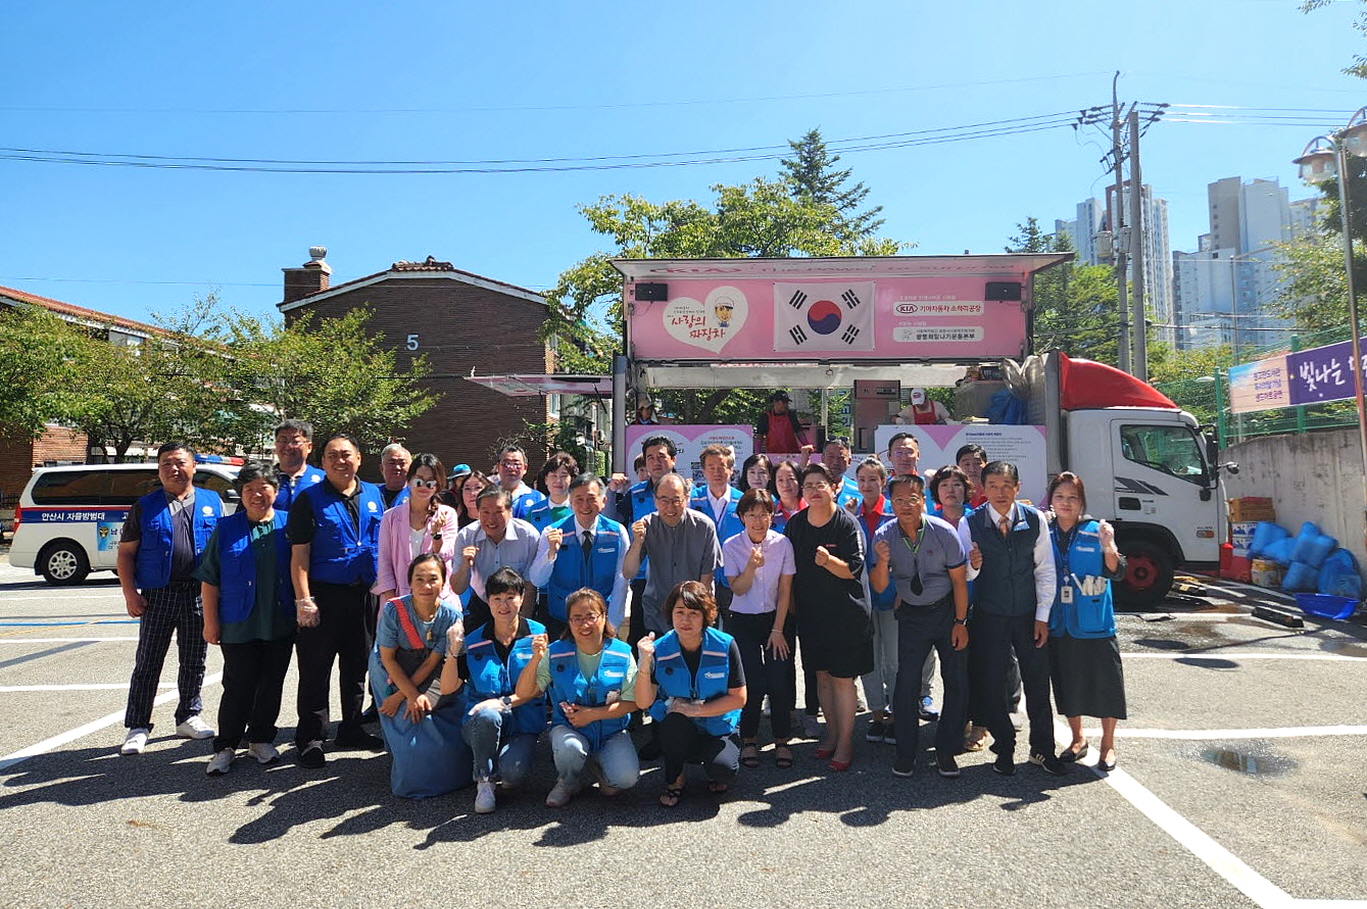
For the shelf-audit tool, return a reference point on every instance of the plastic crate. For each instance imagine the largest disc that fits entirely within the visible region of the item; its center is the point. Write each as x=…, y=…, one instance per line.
x=1326, y=606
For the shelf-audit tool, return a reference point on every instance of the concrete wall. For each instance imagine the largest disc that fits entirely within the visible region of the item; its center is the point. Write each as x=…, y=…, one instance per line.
x=1312, y=477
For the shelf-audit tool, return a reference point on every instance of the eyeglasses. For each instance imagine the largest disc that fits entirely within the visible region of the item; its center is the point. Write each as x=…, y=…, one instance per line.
x=903, y=501
x=670, y=500
x=419, y=483
x=585, y=619
x=815, y=487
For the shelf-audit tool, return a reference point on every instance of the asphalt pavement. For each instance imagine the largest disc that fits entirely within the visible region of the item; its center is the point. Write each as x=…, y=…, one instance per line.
x=1240, y=782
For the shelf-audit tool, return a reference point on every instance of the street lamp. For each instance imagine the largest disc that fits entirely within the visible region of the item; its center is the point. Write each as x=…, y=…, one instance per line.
x=1323, y=159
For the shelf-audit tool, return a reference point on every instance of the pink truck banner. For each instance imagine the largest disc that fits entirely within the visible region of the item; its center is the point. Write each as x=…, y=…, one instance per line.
x=1024, y=446
x=892, y=318
x=689, y=441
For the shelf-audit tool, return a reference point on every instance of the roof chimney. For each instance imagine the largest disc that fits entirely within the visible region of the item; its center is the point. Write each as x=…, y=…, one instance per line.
x=310, y=279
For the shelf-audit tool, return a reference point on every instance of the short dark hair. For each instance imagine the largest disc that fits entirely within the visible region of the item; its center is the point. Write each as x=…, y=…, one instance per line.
x=556, y=461
x=505, y=580
x=837, y=440
x=493, y=490
x=1067, y=477
x=303, y=427
x=820, y=470
x=1004, y=469
x=584, y=479
x=907, y=479
x=666, y=441
x=176, y=446
x=755, y=500
x=692, y=595
x=639, y=462
x=510, y=448
x=350, y=439
x=256, y=470
x=421, y=558
x=945, y=474
x=972, y=448
x=903, y=435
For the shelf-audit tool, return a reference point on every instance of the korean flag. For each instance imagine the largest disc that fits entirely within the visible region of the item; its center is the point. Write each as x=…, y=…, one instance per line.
x=823, y=316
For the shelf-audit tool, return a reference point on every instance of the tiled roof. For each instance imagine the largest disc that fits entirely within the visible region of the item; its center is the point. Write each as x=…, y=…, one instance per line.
x=79, y=313
x=403, y=268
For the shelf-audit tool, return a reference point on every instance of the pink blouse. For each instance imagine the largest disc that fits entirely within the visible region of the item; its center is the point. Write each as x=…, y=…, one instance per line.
x=392, y=570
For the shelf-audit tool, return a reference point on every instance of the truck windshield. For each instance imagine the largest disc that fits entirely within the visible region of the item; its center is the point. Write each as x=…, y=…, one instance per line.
x=1170, y=449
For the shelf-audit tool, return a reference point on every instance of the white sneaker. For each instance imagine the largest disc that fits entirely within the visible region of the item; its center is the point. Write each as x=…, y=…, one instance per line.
x=560, y=795
x=195, y=728
x=136, y=742
x=485, y=799
x=264, y=752
x=221, y=762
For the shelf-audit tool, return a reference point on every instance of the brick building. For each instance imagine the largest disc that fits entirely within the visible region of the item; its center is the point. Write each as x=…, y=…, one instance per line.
x=464, y=324
x=59, y=444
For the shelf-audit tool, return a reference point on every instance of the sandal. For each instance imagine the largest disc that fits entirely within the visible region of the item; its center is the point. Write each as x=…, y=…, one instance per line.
x=822, y=754
x=749, y=755
x=671, y=797
x=783, y=757
x=717, y=788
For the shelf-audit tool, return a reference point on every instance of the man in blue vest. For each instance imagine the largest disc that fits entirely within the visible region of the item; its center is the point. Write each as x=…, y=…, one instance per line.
x=585, y=549
x=293, y=445
x=512, y=467
x=334, y=532
x=1010, y=552
x=163, y=536
x=718, y=499
x=394, y=463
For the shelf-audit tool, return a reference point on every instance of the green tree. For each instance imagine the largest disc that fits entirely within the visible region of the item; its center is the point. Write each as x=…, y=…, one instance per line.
x=812, y=175
x=1075, y=305
x=38, y=374
x=1359, y=64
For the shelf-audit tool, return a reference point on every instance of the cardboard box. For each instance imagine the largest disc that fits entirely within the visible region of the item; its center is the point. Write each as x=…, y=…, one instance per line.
x=1266, y=573
x=1251, y=509
x=1241, y=535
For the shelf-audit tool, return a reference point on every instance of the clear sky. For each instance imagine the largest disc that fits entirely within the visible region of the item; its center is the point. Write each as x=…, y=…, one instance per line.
x=593, y=83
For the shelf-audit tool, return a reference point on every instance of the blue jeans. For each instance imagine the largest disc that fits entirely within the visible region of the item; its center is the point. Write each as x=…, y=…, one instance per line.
x=495, y=751
x=617, y=763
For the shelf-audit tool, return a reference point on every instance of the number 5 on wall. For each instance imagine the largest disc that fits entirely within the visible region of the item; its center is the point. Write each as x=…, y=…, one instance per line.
x=412, y=342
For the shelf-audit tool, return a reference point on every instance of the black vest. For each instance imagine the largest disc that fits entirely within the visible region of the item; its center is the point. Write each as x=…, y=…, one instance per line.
x=1006, y=583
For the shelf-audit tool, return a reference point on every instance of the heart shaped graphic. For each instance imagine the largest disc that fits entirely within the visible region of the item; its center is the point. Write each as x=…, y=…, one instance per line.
x=707, y=325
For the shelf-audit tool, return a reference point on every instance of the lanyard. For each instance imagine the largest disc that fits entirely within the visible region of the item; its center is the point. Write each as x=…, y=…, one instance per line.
x=1063, y=546
x=920, y=535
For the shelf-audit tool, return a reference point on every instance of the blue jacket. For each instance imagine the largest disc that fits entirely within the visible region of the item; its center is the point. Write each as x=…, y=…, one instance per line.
x=342, y=554
x=237, y=571
x=1008, y=586
x=490, y=678
x=730, y=523
x=674, y=680
x=634, y=504
x=1091, y=614
x=153, y=566
x=287, y=493
x=540, y=516
x=569, y=686
x=571, y=570
x=524, y=504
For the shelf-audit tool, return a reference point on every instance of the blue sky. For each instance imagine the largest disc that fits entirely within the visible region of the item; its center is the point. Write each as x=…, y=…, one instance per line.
x=349, y=81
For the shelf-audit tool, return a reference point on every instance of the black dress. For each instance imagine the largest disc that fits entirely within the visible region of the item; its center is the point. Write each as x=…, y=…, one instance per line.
x=833, y=617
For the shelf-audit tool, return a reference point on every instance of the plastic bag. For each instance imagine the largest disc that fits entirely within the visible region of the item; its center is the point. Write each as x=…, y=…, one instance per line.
x=1300, y=577
x=1281, y=551
x=1339, y=575
x=1312, y=546
x=1264, y=535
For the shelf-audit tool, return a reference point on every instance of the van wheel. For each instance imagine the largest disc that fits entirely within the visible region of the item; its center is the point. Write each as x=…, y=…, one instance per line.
x=63, y=562
x=1148, y=576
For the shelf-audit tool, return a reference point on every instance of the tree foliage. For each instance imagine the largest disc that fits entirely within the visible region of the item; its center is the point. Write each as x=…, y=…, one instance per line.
x=811, y=173
x=1075, y=305
x=1359, y=65
x=38, y=371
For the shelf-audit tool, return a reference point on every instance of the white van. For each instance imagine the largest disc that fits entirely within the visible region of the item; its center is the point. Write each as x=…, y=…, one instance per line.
x=69, y=518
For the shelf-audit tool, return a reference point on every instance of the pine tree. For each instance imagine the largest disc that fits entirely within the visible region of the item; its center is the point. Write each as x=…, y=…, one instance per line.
x=812, y=175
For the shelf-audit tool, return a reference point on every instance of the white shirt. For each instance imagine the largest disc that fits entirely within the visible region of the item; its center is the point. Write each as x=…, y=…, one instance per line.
x=778, y=561
x=1045, y=572
x=719, y=503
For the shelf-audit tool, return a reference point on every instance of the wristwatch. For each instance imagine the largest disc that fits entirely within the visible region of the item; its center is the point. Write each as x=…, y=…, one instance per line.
x=507, y=701
x=961, y=621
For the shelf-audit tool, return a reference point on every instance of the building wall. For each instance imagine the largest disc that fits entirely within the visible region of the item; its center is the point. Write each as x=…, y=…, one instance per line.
x=17, y=459
x=461, y=328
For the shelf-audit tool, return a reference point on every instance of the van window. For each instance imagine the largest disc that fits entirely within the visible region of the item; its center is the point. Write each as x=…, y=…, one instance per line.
x=127, y=486
x=93, y=486
x=216, y=483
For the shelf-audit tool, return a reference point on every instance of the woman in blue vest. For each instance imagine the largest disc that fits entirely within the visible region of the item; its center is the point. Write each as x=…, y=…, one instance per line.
x=693, y=683
x=500, y=729
x=248, y=612
x=1084, y=657
x=552, y=481
x=423, y=733
x=589, y=676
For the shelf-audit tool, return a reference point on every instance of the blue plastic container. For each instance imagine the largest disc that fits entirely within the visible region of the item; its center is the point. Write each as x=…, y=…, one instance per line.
x=1321, y=604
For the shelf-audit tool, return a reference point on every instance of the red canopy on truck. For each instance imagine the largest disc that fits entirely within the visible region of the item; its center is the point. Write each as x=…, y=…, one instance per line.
x=1087, y=384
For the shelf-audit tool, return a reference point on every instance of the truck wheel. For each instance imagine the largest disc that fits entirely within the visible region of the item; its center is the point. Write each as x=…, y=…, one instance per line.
x=63, y=562
x=1148, y=576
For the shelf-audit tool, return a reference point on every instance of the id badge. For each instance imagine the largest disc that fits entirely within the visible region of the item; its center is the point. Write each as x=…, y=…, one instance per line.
x=1066, y=594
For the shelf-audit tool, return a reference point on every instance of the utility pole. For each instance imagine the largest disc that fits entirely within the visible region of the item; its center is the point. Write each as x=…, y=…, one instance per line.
x=1137, y=319
x=1117, y=209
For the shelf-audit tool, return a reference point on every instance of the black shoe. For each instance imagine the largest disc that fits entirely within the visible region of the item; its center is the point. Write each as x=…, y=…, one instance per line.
x=1049, y=764
x=1005, y=764
x=311, y=756
x=946, y=764
x=890, y=732
x=1069, y=756
x=359, y=740
x=875, y=733
x=904, y=767
x=370, y=715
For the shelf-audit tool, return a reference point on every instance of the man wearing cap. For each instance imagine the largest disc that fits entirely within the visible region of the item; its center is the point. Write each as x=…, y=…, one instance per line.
x=922, y=411
x=778, y=428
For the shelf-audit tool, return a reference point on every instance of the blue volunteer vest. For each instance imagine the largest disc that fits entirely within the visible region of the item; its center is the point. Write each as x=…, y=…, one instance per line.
x=542, y=517
x=237, y=567
x=1091, y=614
x=291, y=489
x=641, y=501
x=342, y=554
x=571, y=570
x=674, y=680
x=524, y=504
x=152, y=569
x=568, y=685
x=888, y=598
x=490, y=678
x=730, y=523
x=1006, y=585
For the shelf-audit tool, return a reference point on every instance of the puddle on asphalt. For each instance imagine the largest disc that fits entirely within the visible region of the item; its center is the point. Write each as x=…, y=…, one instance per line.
x=1345, y=648
x=1251, y=763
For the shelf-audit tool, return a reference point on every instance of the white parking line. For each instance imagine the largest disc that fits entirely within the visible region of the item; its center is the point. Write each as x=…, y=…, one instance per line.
x=100, y=686
x=1283, y=732
x=72, y=735
x=1236, y=655
x=64, y=640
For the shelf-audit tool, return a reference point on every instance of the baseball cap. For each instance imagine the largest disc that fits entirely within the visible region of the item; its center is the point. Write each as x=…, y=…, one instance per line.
x=780, y=396
x=918, y=396
x=459, y=470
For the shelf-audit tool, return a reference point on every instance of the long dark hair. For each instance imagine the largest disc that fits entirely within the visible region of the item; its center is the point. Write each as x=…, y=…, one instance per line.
x=432, y=463
x=462, y=516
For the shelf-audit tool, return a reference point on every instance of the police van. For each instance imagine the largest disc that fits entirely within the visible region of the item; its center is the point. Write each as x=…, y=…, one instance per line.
x=68, y=520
